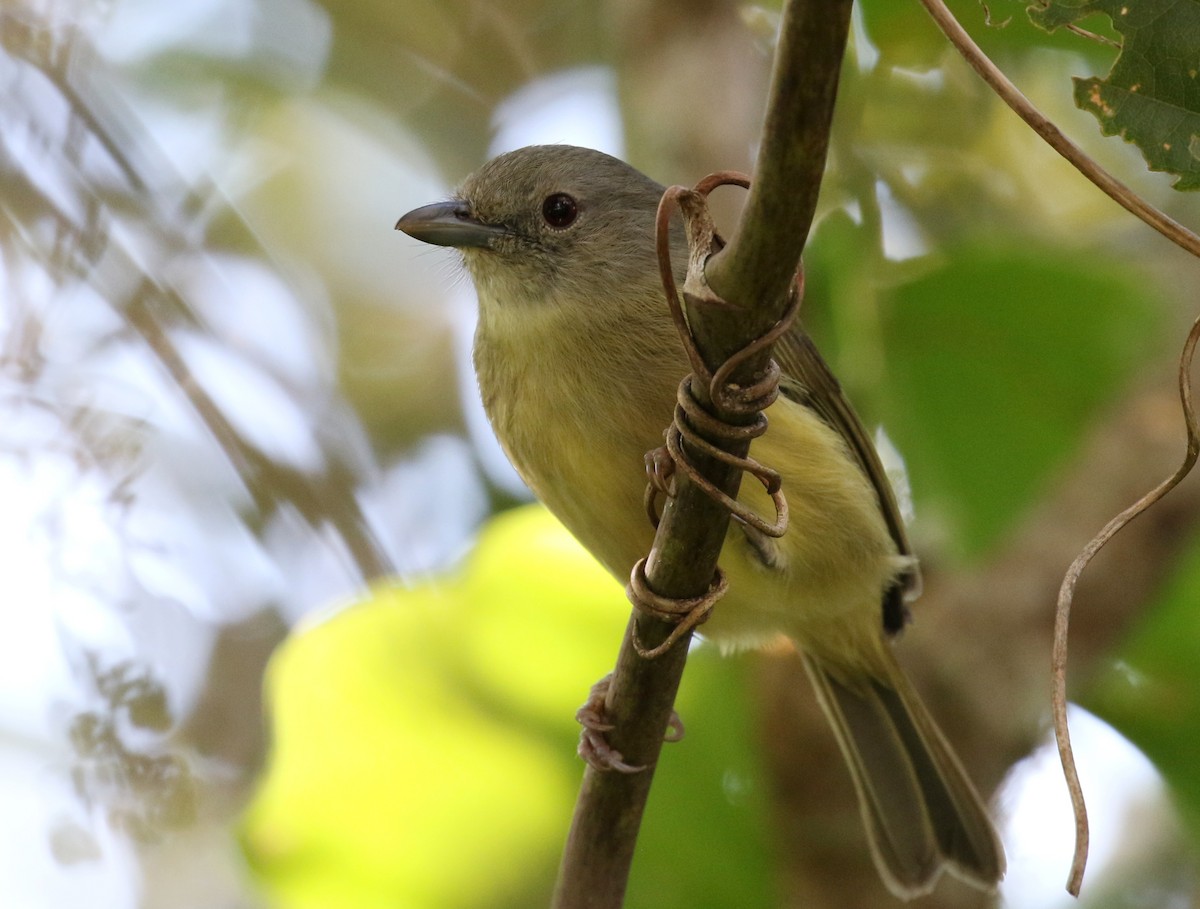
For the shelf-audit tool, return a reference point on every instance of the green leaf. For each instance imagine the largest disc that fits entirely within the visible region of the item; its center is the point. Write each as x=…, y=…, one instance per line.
x=907, y=37
x=706, y=840
x=1151, y=96
x=997, y=361
x=423, y=738
x=424, y=745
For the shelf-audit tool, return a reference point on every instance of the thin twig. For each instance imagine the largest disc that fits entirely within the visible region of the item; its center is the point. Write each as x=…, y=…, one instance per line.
x=1092, y=36
x=1054, y=137
x=1066, y=594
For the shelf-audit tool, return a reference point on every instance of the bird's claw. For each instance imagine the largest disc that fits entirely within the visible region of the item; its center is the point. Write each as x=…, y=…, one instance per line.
x=660, y=468
x=593, y=740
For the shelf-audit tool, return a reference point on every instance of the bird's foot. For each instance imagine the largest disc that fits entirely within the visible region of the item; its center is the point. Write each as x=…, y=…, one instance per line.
x=593, y=740
x=660, y=468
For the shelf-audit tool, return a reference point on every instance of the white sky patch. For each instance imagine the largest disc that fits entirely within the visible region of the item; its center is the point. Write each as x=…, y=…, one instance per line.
x=258, y=406
x=865, y=52
x=427, y=506
x=294, y=35
x=31, y=656
x=85, y=573
x=251, y=310
x=933, y=80
x=52, y=853
x=572, y=107
x=316, y=564
x=897, y=474
x=854, y=210
x=901, y=236
x=1038, y=826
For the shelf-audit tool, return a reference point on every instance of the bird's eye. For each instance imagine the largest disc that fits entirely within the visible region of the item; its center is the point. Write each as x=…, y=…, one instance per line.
x=560, y=210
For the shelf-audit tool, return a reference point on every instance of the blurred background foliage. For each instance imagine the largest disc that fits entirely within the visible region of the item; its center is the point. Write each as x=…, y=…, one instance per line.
x=238, y=420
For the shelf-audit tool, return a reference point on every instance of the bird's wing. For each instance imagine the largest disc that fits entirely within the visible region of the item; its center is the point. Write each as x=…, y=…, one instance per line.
x=808, y=381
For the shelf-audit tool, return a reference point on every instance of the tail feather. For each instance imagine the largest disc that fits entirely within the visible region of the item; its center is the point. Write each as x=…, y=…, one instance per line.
x=921, y=812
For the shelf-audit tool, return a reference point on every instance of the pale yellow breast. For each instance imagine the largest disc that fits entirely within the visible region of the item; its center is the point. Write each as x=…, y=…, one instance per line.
x=576, y=420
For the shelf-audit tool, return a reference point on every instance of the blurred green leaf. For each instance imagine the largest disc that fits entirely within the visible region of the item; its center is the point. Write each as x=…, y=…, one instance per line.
x=398, y=780
x=997, y=360
x=908, y=38
x=706, y=838
x=424, y=745
x=1151, y=97
x=1151, y=693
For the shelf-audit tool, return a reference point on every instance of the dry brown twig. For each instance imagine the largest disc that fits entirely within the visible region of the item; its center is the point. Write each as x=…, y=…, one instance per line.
x=1066, y=594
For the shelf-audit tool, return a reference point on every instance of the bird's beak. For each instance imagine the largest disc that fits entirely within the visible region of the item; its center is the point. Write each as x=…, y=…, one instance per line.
x=448, y=224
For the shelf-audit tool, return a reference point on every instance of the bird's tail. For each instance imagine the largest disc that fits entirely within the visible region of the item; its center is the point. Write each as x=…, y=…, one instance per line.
x=921, y=812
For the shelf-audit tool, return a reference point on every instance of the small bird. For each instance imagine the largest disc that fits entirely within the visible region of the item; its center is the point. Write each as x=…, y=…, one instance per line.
x=578, y=362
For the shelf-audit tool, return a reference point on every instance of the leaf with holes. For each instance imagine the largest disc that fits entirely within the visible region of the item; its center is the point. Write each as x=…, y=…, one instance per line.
x=1152, y=95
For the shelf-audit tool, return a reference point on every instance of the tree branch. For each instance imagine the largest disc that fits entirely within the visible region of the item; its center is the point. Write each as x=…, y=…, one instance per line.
x=753, y=275
x=761, y=258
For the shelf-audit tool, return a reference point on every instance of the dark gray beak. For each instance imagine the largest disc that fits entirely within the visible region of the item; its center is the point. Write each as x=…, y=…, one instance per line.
x=448, y=224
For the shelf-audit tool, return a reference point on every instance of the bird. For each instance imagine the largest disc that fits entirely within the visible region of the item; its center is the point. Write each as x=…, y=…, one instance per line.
x=578, y=363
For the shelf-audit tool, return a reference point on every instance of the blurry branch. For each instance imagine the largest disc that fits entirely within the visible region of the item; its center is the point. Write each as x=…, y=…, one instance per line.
x=62, y=56
x=86, y=249
x=763, y=256
x=1054, y=137
x=319, y=499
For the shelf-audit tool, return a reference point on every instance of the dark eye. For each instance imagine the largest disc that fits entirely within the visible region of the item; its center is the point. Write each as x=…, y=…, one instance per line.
x=560, y=210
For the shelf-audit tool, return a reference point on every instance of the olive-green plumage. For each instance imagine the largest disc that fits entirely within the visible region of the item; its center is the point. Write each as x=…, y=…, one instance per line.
x=578, y=363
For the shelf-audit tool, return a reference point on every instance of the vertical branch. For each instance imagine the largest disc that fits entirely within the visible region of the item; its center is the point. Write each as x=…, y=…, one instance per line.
x=761, y=257
x=752, y=274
